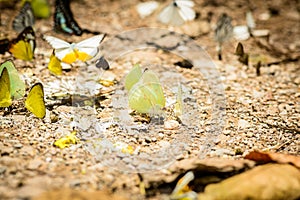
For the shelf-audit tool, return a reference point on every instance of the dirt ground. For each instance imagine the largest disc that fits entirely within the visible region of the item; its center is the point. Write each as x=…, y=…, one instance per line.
x=262, y=112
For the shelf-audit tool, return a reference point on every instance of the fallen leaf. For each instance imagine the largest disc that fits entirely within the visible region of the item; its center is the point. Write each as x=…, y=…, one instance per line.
x=266, y=157
x=271, y=181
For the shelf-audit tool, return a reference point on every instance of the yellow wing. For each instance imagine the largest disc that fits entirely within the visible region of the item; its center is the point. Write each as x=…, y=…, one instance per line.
x=54, y=65
x=5, y=100
x=35, y=101
x=22, y=50
x=24, y=45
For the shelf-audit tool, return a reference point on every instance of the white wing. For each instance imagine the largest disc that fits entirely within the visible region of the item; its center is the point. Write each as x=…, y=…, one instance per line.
x=57, y=43
x=92, y=42
x=167, y=13
x=187, y=13
x=90, y=45
x=187, y=3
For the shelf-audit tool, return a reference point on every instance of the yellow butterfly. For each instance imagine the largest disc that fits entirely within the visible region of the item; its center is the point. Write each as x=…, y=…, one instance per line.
x=147, y=94
x=35, y=101
x=24, y=45
x=69, y=53
x=54, y=65
x=5, y=100
x=17, y=85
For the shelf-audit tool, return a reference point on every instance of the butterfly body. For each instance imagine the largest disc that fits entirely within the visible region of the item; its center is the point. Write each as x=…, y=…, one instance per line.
x=69, y=53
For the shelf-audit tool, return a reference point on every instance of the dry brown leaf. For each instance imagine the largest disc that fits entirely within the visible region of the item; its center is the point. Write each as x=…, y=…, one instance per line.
x=266, y=157
x=271, y=181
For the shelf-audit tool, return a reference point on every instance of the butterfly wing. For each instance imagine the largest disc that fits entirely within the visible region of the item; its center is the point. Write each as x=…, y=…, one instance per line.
x=151, y=81
x=24, y=45
x=147, y=95
x=24, y=19
x=166, y=14
x=170, y=15
x=64, y=20
x=35, y=101
x=57, y=43
x=185, y=10
x=62, y=49
x=17, y=85
x=54, y=65
x=133, y=77
x=88, y=48
x=5, y=100
x=102, y=63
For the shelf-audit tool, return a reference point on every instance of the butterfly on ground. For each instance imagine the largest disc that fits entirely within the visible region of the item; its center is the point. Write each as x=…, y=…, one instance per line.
x=54, y=65
x=102, y=63
x=69, y=53
x=24, y=19
x=177, y=12
x=64, y=20
x=223, y=32
x=5, y=99
x=145, y=92
x=243, y=57
x=24, y=45
x=35, y=101
x=17, y=85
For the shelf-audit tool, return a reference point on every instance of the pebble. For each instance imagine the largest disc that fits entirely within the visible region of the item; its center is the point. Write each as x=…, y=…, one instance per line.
x=18, y=146
x=171, y=125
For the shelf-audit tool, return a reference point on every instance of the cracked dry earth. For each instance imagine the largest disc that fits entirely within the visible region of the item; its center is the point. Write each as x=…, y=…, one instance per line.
x=260, y=112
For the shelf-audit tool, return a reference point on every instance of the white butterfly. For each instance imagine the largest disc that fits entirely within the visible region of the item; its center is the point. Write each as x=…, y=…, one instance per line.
x=69, y=53
x=177, y=12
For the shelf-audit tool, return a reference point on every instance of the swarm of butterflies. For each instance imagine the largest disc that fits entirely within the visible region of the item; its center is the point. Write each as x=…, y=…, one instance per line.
x=12, y=87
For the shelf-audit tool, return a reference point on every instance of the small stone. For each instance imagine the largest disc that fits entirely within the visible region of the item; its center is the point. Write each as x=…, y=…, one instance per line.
x=147, y=139
x=18, y=146
x=171, y=125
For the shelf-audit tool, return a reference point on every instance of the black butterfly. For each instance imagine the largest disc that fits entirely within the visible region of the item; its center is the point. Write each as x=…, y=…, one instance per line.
x=102, y=63
x=243, y=57
x=24, y=19
x=64, y=20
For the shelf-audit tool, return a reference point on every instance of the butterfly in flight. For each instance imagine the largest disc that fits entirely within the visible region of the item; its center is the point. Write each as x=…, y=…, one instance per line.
x=69, y=53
